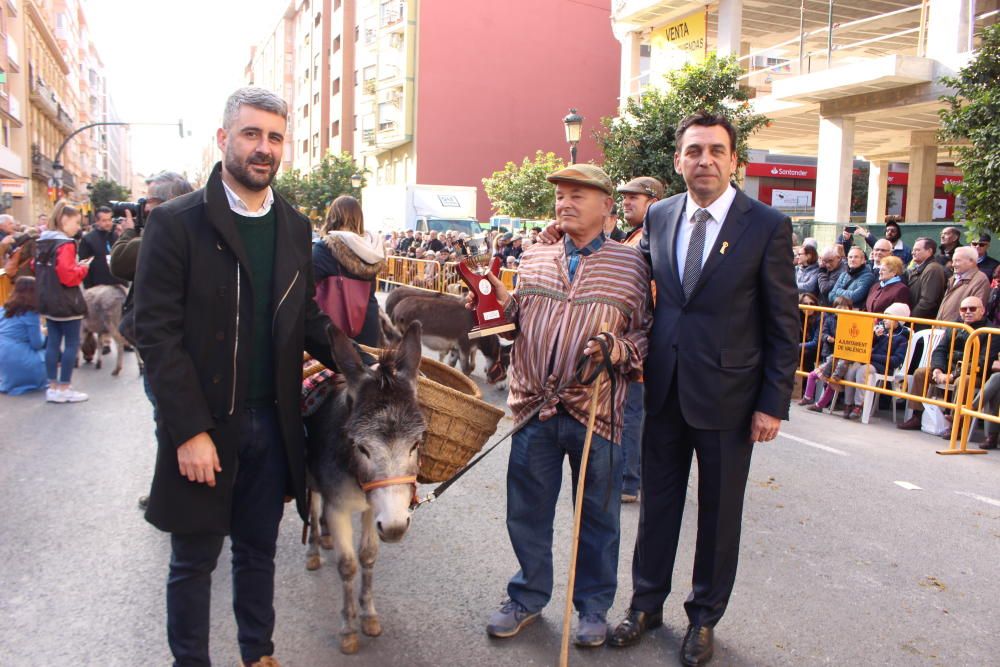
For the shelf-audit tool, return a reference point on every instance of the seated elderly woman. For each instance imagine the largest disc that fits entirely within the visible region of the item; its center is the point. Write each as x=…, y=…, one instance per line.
x=888, y=351
x=430, y=274
x=856, y=281
x=890, y=287
x=807, y=270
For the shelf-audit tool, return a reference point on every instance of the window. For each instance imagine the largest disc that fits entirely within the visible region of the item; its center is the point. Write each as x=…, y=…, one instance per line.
x=315, y=140
x=335, y=87
x=305, y=110
x=335, y=129
x=305, y=146
x=357, y=34
x=336, y=43
x=336, y=5
x=316, y=98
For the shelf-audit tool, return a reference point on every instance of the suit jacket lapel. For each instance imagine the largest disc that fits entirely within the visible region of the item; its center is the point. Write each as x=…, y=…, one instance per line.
x=222, y=217
x=732, y=228
x=672, y=215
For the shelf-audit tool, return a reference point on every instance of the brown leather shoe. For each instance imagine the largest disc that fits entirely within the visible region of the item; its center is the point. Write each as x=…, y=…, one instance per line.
x=911, y=424
x=630, y=630
x=698, y=646
x=265, y=661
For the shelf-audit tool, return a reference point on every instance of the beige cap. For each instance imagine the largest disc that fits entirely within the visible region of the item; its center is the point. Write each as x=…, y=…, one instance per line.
x=584, y=174
x=644, y=185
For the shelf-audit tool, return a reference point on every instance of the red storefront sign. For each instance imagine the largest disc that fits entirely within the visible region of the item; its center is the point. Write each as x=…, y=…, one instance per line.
x=806, y=172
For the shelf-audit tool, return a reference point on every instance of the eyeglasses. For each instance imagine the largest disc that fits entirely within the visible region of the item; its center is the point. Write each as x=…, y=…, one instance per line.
x=968, y=309
x=976, y=244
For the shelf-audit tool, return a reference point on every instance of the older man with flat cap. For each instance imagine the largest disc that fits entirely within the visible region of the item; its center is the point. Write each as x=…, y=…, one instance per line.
x=637, y=196
x=566, y=294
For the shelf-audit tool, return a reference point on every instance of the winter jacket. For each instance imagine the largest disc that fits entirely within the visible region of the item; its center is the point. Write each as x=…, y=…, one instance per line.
x=880, y=298
x=193, y=321
x=927, y=283
x=854, y=284
x=97, y=244
x=807, y=277
x=333, y=256
x=60, y=296
x=827, y=280
x=939, y=357
x=880, y=349
x=973, y=283
x=819, y=335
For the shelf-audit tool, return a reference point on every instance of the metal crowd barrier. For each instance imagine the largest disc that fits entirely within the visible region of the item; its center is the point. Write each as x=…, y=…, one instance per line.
x=974, y=408
x=6, y=287
x=897, y=382
x=431, y=275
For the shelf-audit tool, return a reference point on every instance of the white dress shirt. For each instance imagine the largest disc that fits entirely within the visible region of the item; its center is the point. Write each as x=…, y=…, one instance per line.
x=719, y=209
x=239, y=206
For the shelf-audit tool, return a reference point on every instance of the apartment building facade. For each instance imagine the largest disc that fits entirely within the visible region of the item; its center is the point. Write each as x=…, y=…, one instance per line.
x=854, y=79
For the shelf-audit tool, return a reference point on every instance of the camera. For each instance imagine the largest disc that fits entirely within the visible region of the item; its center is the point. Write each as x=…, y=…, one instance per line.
x=136, y=208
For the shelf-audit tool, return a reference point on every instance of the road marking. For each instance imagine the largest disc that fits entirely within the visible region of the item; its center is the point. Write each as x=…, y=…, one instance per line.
x=908, y=486
x=810, y=443
x=976, y=496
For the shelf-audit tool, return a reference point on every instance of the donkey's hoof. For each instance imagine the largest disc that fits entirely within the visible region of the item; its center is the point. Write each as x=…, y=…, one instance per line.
x=313, y=562
x=349, y=643
x=326, y=541
x=370, y=626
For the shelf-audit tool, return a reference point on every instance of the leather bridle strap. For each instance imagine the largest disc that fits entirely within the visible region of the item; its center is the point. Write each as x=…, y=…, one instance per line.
x=388, y=481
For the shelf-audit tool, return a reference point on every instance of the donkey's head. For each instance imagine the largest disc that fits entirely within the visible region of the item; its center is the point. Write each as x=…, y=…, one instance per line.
x=498, y=356
x=384, y=426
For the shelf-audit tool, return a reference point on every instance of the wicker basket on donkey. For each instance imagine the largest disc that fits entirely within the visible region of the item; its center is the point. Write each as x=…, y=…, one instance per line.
x=459, y=422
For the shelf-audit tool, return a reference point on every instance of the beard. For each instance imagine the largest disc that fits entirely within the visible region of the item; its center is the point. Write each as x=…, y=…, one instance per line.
x=251, y=180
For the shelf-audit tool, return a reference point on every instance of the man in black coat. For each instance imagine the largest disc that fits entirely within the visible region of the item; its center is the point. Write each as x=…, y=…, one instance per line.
x=97, y=243
x=722, y=358
x=224, y=308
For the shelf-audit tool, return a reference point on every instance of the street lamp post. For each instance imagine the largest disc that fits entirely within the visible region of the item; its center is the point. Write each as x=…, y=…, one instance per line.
x=573, y=123
x=355, y=181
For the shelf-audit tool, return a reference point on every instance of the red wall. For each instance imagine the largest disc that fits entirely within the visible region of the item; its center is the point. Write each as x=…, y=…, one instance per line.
x=494, y=80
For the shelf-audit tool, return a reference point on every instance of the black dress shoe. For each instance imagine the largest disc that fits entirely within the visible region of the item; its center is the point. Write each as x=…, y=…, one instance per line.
x=636, y=622
x=697, y=647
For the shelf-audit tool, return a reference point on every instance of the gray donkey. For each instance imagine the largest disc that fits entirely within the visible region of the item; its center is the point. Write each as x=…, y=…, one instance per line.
x=363, y=458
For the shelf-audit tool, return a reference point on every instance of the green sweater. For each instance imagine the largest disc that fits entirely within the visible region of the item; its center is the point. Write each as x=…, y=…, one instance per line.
x=258, y=236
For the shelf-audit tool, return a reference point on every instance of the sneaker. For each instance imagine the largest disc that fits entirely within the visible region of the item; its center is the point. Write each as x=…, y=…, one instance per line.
x=592, y=630
x=629, y=498
x=55, y=395
x=73, y=396
x=510, y=619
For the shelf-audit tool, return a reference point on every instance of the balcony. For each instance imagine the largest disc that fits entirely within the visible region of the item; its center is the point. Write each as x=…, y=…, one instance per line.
x=63, y=120
x=13, y=55
x=41, y=165
x=44, y=98
x=392, y=13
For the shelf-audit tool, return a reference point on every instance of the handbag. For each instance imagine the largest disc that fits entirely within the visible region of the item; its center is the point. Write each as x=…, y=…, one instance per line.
x=13, y=264
x=345, y=301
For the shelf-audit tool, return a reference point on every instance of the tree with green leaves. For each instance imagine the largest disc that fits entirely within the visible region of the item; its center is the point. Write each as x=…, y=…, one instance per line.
x=105, y=191
x=521, y=191
x=972, y=121
x=313, y=192
x=640, y=142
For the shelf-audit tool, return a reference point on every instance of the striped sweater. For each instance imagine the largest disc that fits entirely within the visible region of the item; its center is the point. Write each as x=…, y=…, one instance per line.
x=555, y=318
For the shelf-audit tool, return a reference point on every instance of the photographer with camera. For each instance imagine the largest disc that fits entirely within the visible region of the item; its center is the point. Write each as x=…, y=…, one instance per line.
x=161, y=188
x=97, y=244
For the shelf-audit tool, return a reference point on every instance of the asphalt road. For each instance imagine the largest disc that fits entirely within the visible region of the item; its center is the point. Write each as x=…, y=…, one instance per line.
x=840, y=563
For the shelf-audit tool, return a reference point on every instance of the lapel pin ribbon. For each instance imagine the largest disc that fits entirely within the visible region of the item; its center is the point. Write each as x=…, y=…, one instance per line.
x=722, y=250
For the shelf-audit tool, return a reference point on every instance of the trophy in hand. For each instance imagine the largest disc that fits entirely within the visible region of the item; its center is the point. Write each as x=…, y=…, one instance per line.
x=490, y=317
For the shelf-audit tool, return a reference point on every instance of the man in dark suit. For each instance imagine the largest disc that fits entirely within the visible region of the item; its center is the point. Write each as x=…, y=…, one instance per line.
x=722, y=357
x=97, y=243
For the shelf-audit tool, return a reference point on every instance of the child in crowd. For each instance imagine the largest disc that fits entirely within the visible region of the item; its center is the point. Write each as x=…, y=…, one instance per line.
x=832, y=368
x=60, y=299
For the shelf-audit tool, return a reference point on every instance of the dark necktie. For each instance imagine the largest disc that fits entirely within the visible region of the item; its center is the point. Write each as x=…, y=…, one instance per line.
x=695, y=251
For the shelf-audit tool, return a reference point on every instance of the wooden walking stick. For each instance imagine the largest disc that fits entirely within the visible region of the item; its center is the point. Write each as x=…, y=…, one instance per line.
x=577, y=514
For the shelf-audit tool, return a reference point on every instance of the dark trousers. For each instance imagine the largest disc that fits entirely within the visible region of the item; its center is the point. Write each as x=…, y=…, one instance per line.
x=632, y=437
x=723, y=465
x=258, y=503
x=534, y=475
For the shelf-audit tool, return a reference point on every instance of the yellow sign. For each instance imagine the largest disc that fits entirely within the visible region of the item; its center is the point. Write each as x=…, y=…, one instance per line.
x=676, y=44
x=854, y=337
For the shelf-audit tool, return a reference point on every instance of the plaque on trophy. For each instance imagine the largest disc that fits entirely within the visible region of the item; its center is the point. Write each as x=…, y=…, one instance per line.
x=490, y=318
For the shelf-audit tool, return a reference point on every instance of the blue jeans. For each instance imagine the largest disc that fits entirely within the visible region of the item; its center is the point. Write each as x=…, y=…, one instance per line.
x=258, y=503
x=533, y=479
x=632, y=437
x=61, y=348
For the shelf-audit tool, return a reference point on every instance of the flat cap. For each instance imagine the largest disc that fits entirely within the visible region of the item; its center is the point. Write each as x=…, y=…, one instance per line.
x=583, y=174
x=644, y=185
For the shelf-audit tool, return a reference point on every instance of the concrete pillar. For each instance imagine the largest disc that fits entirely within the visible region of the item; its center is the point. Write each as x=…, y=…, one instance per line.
x=878, y=189
x=947, y=29
x=630, y=68
x=834, y=168
x=923, y=169
x=730, y=15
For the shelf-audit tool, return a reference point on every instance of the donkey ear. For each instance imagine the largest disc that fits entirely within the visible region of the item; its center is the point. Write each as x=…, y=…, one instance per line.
x=348, y=360
x=408, y=356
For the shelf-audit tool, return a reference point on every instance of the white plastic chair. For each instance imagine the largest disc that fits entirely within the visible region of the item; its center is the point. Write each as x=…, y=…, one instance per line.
x=903, y=377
